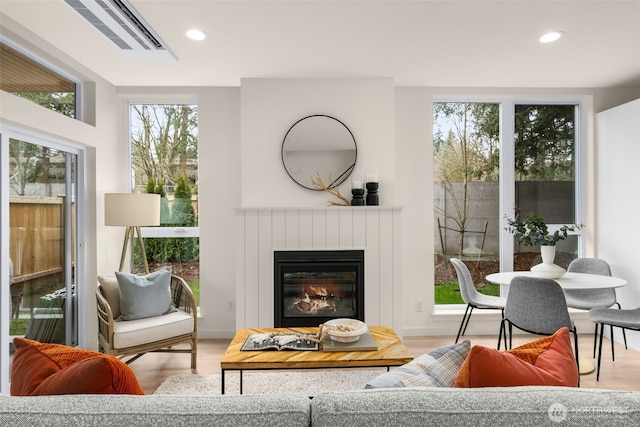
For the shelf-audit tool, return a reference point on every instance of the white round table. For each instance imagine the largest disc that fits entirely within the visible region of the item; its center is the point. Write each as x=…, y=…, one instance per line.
x=569, y=280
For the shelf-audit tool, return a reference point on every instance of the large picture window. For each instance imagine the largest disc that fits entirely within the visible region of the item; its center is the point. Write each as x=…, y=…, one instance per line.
x=164, y=160
x=489, y=159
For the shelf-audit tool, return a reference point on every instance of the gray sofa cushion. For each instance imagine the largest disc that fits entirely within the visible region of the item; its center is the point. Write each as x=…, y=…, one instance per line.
x=521, y=406
x=154, y=410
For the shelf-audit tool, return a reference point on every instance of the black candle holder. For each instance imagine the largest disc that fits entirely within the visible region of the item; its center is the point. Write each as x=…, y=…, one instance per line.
x=372, y=194
x=358, y=197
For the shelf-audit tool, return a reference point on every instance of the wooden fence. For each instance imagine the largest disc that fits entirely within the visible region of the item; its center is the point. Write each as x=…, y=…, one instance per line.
x=36, y=247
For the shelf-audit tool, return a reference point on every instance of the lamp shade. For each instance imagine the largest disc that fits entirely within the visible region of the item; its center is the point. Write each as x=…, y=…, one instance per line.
x=131, y=209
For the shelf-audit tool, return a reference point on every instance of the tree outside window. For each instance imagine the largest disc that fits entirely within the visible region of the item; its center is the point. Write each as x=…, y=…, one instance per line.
x=164, y=157
x=467, y=191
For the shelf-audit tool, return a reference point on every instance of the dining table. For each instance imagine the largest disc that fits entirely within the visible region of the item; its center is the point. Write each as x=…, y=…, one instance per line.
x=568, y=281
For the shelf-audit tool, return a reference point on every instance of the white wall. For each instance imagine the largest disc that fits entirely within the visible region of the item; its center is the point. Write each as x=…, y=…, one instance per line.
x=219, y=176
x=618, y=201
x=271, y=106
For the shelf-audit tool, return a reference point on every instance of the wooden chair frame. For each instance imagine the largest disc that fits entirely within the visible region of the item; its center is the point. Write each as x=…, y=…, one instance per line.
x=183, y=298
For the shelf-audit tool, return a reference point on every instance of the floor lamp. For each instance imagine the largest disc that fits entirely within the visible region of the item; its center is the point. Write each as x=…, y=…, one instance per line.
x=132, y=210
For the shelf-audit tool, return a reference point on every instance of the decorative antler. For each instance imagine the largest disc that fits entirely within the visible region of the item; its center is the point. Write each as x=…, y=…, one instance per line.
x=333, y=189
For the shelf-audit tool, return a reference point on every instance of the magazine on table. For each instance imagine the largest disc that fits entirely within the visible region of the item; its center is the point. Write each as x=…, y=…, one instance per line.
x=278, y=341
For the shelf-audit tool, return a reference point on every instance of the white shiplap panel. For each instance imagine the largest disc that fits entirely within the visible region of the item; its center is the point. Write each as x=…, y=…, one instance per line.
x=252, y=269
x=346, y=229
x=240, y=269
x=279, y=228
x=292, y=240
x=385, y=271
x=332, y=224
x=372, y=261
x=306, y=228
x=398, y=318
x=319, y=220
x=265, y=266
x=359, y=228
x=377, y=230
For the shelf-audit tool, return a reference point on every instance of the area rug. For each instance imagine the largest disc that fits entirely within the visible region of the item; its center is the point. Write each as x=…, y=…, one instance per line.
x=306, y=382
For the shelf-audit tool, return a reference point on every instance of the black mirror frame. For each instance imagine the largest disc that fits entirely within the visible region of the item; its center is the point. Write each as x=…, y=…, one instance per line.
x=340, y=179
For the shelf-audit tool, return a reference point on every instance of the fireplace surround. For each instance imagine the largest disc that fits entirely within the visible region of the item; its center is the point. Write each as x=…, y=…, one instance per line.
x=312, y=287
x=377, y=230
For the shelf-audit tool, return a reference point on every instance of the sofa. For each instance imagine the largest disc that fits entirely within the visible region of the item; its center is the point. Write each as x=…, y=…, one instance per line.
x=56, y=385
x=521, y=406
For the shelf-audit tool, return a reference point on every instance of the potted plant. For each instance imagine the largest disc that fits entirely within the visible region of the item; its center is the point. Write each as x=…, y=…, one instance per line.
x=533, y=231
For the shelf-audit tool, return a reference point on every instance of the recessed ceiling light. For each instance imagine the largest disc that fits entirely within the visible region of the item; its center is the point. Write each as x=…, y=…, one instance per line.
x=551, y=36
x=196, y=34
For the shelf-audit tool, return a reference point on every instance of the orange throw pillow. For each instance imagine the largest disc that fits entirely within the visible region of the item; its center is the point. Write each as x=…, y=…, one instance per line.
x=40, y=369
x=96, y=375
x=546, y=361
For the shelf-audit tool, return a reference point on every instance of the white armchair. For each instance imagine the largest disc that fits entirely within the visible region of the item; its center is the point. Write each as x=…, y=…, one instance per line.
x=152, y=334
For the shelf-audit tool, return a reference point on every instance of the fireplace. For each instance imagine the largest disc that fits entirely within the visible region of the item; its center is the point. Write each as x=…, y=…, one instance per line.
x=311, y=287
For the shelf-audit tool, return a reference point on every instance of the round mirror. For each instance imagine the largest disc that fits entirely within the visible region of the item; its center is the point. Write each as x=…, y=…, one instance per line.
x=319, y=145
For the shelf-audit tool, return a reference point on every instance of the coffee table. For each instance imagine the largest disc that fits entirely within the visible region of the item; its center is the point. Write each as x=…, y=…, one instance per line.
x=391, y=352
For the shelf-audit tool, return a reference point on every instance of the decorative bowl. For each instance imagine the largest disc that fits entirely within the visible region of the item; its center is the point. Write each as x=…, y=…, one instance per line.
x=355, y=329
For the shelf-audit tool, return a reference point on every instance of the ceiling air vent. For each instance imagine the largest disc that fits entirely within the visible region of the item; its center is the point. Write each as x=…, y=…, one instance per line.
x=121, y=24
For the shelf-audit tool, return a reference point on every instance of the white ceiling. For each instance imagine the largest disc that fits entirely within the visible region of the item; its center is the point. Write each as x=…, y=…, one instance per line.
x=417, y=43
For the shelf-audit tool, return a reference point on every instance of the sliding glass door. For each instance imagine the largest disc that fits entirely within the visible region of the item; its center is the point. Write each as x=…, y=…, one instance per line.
x=39, y=238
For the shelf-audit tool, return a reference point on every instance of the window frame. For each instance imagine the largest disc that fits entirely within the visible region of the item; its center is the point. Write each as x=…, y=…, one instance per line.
x=159, y=99
x=507, y=105
x=78, y=93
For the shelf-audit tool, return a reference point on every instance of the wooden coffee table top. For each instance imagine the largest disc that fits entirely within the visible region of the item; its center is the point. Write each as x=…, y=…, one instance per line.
x=391, y=352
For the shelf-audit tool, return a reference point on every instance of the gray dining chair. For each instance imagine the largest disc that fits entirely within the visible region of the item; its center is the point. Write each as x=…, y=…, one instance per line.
x=586, y=299
x=537, y=306
x=629, y=319
x=475, y=299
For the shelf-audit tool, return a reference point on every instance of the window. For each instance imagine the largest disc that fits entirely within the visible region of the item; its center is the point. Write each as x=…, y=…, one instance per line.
x=489, y=158
x=164, y=160
x=27, y=78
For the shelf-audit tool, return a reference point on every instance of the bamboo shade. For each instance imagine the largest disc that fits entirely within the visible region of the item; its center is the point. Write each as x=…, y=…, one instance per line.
x=18, y=74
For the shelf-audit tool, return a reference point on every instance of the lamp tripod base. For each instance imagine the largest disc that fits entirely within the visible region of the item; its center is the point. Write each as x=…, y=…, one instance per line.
x=129, y=234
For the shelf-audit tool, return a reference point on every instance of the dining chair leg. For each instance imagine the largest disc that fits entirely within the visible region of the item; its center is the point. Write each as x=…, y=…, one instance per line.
x=595, y=340
x=575, y=347
x=600, y=352
x=464, y=317
x=613, y=355
x=502, y=333
x=468, y=318
x=510, y=336
x=624, y=334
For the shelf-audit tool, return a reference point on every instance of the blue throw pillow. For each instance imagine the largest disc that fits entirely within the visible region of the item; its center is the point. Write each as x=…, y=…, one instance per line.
x=144, y=296
x=438, y=368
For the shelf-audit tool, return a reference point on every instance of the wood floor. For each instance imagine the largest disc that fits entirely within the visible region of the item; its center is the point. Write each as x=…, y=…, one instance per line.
x=623, y=374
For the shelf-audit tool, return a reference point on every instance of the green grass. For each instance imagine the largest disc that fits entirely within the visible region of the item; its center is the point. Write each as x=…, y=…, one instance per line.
x=18, y=326
x=449, y=293
x=195, y=287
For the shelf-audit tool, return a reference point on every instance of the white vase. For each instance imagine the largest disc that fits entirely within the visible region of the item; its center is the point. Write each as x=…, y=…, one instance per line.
x=547, y=269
